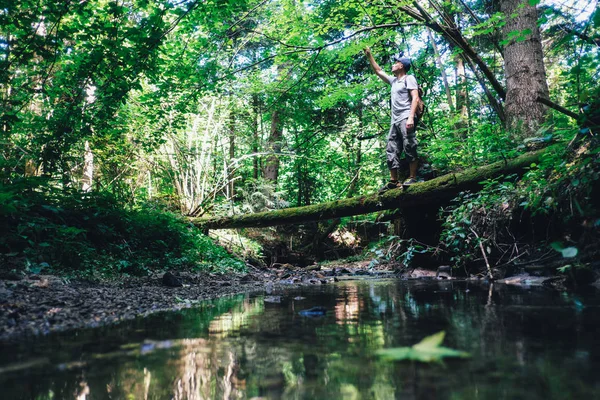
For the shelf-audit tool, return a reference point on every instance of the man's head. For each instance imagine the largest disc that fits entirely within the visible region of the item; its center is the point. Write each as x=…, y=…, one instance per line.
x=405, y=61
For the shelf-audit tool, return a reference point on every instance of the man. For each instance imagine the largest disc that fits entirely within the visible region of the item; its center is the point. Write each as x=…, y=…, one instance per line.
x=402, y=137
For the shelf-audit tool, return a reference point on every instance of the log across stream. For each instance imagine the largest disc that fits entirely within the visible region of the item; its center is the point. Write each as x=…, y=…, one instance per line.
x=437, y=191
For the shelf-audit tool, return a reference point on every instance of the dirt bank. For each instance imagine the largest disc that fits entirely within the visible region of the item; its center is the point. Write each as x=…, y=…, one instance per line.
x=40, y=304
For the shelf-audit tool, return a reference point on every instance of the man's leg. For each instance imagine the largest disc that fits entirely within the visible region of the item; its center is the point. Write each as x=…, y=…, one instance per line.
x=409, y=142
x=392, y=153
x=413, y=166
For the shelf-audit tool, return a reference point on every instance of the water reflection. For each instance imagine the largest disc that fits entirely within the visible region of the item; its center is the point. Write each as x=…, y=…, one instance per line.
x=525, y=344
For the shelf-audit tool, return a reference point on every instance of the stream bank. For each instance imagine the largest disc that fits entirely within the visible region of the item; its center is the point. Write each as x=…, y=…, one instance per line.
x=42, y=304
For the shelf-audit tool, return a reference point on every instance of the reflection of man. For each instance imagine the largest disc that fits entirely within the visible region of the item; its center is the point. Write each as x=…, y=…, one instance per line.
x=402, y=135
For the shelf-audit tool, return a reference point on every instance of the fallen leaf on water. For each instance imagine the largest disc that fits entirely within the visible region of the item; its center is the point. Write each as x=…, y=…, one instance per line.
x=427, y=350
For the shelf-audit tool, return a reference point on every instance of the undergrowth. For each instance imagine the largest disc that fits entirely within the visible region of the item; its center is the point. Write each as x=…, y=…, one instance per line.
x=557, y=198
x=47, y=229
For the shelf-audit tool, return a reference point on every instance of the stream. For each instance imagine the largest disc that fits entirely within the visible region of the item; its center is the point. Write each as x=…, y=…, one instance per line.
x=525, y=343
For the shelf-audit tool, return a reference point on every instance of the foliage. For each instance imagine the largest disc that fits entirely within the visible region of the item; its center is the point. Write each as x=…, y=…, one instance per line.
x=91, y=234
x=479, y=218
x=427, y=350
x=395, y=249
x=560, y=187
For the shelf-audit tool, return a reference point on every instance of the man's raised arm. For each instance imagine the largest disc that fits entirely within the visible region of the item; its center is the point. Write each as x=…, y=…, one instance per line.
x=376, y=68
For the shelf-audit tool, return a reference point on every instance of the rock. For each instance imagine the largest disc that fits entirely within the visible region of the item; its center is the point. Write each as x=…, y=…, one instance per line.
x=41, y=283
x=362, y=272
x=317, y=311
x=272, y=299
x=523, y=280
x=444, y=272
x=171, y=280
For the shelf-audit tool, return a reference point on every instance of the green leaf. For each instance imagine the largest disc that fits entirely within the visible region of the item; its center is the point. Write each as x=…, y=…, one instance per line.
x=557, y=246
x=564, y=269
x=434, y=340
x=427, y=350
x=569, y=252
x=534, y=3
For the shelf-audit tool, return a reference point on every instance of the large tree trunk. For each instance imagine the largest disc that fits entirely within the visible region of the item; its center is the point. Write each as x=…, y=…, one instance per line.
x=271, y=169
x=230, y=161
x=88, y=168
x=524, y=67
x=462, y=97
x=437, y=191
x=255, y=136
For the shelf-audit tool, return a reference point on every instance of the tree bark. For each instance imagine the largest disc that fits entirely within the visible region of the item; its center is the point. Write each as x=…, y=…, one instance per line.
x=255, y=136
x=230, y=167
x=437, y=191
x=271, y=169
x=88, y=168
x=462, y=97
x=438, y=61
x=524, y=67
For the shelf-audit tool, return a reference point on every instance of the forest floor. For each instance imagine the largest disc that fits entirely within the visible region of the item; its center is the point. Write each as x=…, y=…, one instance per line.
x=41, y=304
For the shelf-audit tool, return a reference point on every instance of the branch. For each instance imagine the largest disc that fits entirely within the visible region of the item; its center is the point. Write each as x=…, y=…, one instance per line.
x=557, y=107
x=455, y=38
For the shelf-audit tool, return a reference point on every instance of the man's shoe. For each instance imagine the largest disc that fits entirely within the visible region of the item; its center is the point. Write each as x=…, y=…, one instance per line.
x=389, y=186
x=409, y=181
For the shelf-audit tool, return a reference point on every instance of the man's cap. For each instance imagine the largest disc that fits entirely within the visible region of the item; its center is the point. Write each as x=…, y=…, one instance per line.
x=404, y=60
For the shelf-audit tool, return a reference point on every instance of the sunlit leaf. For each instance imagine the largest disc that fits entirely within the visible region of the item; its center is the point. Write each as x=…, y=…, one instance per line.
x=569, y=252
x=427, y=350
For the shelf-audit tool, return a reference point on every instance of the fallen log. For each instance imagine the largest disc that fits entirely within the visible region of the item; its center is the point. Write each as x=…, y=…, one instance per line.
x=436, y=191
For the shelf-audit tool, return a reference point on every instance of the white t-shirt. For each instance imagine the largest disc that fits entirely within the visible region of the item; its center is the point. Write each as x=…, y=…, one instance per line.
x=401, y=99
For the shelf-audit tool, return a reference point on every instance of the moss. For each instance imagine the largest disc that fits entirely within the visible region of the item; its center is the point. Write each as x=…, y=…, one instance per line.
x=438, y=190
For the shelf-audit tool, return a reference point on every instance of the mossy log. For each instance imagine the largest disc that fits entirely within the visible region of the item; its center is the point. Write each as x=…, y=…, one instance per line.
x=437, y=191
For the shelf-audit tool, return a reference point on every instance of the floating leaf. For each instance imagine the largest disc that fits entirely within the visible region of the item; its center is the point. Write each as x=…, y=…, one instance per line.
x=427, y=350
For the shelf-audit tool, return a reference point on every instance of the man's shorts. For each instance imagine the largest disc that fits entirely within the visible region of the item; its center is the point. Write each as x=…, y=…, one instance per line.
x=399, y=140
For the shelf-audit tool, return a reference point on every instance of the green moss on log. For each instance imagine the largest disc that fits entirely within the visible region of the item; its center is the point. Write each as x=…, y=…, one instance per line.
x=436, y=191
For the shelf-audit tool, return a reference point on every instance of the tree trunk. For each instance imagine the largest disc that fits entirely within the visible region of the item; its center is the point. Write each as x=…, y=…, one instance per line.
x=255, y=136
x=524, y=67
x=437, y=191
x=230, y=171
x=438, y=61
x=88, y=168
x=271, y=169
x=462, y=97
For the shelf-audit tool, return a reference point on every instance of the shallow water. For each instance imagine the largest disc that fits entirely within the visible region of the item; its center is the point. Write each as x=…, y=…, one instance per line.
x=525, y=344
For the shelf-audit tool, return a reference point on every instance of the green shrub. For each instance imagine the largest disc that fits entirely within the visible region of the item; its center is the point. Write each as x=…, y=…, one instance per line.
x=91, y=233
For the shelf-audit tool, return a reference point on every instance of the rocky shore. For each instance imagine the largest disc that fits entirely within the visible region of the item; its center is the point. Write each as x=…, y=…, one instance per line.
x=41, y=304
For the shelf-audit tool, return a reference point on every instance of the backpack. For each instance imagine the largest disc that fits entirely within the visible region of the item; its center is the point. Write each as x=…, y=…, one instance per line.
x=420, y=103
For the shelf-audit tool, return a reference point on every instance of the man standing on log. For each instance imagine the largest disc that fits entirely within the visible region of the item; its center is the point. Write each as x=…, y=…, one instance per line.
x=402, y=136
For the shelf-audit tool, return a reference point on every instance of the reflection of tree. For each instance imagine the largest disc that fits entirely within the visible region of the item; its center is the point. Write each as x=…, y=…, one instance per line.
x=347, y=307
x=244, y=348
